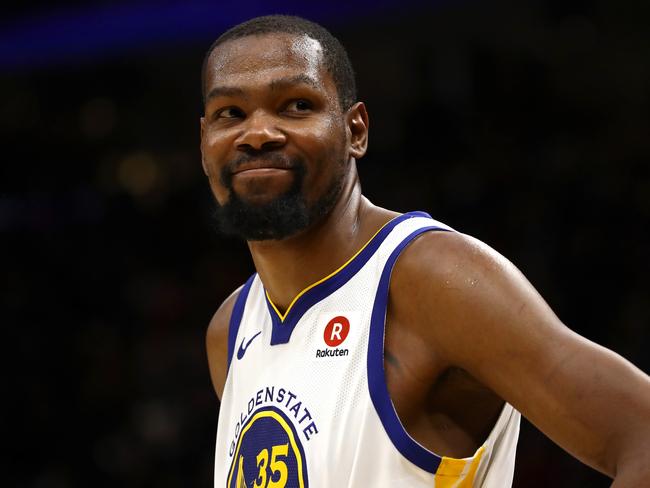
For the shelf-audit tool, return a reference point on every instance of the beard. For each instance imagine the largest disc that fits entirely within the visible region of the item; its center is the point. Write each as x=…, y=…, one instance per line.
x=283, y=216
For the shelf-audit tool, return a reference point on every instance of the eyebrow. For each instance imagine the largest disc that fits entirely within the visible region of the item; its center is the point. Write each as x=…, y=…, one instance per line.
x=224, y=91
x=301, y=79
x=277, y=84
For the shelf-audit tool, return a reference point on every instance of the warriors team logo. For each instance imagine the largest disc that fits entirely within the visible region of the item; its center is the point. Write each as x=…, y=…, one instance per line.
x=268, y=454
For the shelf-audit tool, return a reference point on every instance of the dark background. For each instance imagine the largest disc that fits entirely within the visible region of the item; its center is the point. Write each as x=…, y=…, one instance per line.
x=525, y=124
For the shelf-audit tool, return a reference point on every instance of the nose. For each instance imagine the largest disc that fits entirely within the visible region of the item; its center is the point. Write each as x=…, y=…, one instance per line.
x=260, y=131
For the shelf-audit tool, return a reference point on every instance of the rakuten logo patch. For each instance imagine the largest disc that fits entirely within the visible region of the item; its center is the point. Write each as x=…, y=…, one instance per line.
x=334, y=334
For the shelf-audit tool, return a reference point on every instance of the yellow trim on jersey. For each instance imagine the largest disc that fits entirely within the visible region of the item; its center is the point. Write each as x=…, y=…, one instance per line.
x=458, y=473
x=305, y=290
x=287, y=429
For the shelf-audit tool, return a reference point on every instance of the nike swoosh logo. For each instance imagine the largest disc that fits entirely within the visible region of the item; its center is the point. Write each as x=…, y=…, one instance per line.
x=242, y=349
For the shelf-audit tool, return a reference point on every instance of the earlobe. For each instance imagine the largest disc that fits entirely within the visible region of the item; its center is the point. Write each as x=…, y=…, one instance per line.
x=358, y=126
x=205, y=167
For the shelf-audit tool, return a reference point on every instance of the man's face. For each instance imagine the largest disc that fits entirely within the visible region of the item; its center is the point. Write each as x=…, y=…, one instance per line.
x=273, y=137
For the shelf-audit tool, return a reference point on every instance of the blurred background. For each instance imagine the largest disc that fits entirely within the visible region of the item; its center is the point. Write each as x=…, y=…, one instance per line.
x=525, y=124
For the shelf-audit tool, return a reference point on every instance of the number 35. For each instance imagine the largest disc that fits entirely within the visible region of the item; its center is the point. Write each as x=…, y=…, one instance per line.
x=277, y=466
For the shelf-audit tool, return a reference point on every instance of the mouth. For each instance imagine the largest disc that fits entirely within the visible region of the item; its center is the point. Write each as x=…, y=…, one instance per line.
x=261, y=172
x=276, y=170
x=261, y=167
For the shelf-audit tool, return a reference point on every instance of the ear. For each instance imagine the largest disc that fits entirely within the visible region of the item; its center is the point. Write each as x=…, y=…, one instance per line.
x=205, y=166
x=357, y=126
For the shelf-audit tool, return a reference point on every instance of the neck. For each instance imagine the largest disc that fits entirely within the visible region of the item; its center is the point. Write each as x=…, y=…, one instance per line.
x=288, y=266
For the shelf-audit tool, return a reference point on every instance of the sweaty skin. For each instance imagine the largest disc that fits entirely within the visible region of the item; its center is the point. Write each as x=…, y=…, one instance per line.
x=465, y=330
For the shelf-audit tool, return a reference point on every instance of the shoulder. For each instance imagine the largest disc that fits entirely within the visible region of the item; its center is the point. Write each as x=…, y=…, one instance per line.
x=443, y=260
x=218, y=327
x=217, y=341
x=446, y=284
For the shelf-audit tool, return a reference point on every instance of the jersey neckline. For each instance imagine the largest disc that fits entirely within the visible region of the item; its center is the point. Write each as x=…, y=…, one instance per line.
x=283, y=325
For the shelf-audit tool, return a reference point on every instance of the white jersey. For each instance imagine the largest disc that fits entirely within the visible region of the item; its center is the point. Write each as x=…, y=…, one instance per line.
x=305, y=402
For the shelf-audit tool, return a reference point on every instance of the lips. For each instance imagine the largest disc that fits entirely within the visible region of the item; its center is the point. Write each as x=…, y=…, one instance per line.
x=261, y=165
x=268, y=168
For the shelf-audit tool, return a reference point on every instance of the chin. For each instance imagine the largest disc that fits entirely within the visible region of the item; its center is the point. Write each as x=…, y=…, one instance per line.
x=260, y=200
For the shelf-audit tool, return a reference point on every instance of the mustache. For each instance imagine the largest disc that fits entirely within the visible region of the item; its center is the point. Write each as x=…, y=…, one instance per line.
x=274, y=158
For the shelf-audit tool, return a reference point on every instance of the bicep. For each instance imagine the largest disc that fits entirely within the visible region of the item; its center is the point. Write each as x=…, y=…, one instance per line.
x=583, y=396
x=216, y=342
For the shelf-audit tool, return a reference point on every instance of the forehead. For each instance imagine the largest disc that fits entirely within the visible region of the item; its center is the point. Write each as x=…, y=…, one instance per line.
x=254, y=58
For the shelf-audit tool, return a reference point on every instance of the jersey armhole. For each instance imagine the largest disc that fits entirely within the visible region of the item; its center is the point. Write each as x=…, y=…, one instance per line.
x=403, y=442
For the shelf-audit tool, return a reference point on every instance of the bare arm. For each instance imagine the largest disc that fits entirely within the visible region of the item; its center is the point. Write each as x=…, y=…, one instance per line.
x=216, y=342
x=489, y=320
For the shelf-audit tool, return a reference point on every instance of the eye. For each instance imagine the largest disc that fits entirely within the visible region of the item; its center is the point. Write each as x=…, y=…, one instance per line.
x=299, y=105
x=229, y=113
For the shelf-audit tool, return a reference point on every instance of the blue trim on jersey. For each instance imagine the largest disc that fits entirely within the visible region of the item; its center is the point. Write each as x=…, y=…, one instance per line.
x=402, y=441
x=282, y=330
x=235, y=317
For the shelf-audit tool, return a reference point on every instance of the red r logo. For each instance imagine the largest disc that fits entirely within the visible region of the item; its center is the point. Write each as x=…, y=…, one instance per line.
x=336, y=331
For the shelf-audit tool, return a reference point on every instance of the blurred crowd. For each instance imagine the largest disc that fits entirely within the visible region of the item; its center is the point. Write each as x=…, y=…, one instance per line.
x=525, y=124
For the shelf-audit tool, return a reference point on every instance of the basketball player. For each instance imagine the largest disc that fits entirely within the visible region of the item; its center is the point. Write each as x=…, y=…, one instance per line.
x=371, y=348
